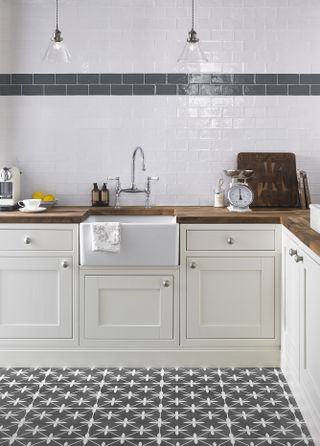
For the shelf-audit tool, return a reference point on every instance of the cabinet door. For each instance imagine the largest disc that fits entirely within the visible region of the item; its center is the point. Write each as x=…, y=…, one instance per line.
x=128, y=307
x=310, y=330
x=35, y=297
x=291, y=306
x=230, y=297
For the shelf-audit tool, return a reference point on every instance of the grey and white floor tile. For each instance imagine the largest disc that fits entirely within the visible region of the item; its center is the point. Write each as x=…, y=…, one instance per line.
x=149, y=407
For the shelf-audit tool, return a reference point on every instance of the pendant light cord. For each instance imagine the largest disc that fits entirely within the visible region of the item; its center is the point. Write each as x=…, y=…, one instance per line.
x=57, y=14
x=192, y=15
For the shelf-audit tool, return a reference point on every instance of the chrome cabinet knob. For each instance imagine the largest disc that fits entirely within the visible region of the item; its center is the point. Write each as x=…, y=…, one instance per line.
x=27, y=240
x=298, y=258
x=292, y=252
x=192, y=265
x=166, y=283
x=64, y=264
x=230, y=241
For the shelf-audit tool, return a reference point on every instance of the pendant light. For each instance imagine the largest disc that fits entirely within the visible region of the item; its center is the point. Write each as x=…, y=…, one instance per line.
x=57, y=51
x=192, y=52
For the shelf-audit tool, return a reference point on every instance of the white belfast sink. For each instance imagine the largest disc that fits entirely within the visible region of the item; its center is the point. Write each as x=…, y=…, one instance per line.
x=146, y=240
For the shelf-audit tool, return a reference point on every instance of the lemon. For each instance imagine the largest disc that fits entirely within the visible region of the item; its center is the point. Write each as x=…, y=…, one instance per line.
x=38, y=195
x=49, y=197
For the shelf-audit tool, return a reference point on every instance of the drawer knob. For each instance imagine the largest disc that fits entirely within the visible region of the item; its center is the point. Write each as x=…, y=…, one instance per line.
x=27, y=240
x=166, y=283
x=298, y=258
x=64, y=264
x=230, y=241
x=292, y=252
x=192, y=265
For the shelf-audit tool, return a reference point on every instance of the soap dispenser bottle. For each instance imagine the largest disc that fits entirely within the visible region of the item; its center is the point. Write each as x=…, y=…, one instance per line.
x=95, y=195
x=104, y=195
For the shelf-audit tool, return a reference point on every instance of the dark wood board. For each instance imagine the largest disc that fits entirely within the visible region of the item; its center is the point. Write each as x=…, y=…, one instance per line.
x=275, y=179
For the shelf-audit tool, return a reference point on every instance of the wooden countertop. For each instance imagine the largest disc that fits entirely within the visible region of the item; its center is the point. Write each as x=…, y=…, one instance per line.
x=296, y=220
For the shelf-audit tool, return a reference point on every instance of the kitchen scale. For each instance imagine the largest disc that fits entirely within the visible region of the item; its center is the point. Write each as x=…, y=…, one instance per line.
x=240, y=195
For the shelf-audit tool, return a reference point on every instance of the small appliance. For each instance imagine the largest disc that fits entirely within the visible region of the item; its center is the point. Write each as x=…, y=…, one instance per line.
x=9, y=188
x=240, y=195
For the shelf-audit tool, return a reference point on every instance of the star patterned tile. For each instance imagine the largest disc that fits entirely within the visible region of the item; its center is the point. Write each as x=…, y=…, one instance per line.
x=149, y=407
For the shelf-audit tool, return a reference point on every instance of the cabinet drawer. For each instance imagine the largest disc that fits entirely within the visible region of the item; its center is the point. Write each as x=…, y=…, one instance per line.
x=36, y=240
x=216, y=240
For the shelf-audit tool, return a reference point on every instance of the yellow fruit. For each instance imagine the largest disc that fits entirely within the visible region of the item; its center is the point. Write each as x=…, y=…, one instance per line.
x=49, y=198
x=38, y=195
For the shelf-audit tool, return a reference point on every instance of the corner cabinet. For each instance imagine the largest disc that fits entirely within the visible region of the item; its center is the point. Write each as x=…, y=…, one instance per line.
x=300, y=359
x=38, y=279
x=230, y=287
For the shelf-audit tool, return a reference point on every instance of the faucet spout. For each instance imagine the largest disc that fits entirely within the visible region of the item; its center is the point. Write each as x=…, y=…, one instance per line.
x=133, y=171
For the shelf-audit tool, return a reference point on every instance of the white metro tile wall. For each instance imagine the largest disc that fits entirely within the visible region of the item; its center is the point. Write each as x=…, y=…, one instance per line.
x=63, y=144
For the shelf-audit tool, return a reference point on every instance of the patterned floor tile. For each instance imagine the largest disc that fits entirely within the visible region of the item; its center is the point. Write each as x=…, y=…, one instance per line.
x=148, y=407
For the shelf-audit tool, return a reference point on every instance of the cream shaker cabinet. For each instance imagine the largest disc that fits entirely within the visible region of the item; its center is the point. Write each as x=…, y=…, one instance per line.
x=38, y=273
x=129, y=307
x=230, y=287
x=300, y=326
x=230, y=297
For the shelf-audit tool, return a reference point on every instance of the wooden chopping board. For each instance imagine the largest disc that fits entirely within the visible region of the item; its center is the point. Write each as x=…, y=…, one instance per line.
x=275, y=179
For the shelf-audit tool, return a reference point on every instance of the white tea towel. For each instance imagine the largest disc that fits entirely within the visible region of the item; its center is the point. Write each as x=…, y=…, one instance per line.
x=106, y=236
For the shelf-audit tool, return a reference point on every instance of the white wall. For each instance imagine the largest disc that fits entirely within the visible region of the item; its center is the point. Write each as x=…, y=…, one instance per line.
x=63, y=144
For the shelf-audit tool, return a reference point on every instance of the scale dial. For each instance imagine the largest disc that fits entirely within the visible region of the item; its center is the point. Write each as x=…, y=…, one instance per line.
x=240, y=196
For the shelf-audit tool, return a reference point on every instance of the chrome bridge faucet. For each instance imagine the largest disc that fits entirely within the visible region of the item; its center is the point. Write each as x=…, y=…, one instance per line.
x=133, y=189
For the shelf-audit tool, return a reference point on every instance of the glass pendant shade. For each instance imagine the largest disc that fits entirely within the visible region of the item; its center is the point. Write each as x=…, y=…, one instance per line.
x=57, y=51
x=192, y=52
x=192, y=55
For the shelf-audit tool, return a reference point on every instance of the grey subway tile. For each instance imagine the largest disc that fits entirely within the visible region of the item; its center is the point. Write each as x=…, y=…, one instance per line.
x=310, y=78
x=210, y=90
x=55, y=90
x=155, y=78
x=121, y=90
x=66, y=78
x=99, y=90
x=77, y=90
x=143, y=89
x=277, y=90
x=188, y=90
x=243, y=78
x=111, y=78
x=5, y=79
x=299, y=90
x=254, y=90
x=315, y=90
x=85, y=78
x=46, y=78
x=232, y=90
x=288, y=78
x=32, y=90
x=178, y=78
x=266, y=78
x=133, y=78
x=10, y=90
x=166, y=89
x=200, y=78
x=222, y=78
x=21, y=78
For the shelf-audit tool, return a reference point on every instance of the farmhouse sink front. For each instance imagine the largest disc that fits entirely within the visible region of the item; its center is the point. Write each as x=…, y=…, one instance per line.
x=145, y=241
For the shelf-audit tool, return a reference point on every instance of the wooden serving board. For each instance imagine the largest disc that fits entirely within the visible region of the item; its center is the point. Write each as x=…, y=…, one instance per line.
x=275, y=179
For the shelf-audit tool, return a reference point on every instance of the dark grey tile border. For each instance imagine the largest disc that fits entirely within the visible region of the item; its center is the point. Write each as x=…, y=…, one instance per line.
x=149, y=84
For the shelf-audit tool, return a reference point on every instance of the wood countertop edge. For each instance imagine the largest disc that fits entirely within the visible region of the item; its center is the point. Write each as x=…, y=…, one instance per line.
x=296, y=220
